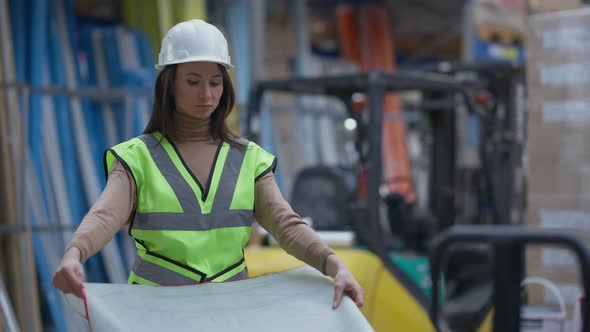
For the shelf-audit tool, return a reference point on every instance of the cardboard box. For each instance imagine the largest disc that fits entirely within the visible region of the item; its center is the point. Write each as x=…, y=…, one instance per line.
x=559, y=106
x=558, y=143
x=564, y=76
x=558, y=33
x=559, y=158
x=544, y=6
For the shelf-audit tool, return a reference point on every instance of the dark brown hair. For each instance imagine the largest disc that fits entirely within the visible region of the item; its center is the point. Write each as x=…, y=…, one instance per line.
x=162, y=117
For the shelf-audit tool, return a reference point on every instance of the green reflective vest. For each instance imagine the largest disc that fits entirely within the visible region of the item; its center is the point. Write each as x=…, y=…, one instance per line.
x=184, y=233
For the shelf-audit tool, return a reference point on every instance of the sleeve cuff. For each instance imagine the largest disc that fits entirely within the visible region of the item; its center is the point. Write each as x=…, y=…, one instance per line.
x=83, y=253
x=325, y=263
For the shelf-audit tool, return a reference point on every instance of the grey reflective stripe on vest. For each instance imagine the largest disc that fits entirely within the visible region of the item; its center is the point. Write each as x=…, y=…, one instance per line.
x=160, y=275
x=192, y=219
x=229, y=179
x=242, y=275
x=165, y=277
x=184, y=192
x=192, y=222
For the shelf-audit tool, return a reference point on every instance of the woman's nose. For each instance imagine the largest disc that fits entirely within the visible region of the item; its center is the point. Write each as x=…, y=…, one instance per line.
x=204, y=92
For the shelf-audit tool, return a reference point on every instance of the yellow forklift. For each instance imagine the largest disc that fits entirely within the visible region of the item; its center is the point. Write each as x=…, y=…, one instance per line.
x=393, y=300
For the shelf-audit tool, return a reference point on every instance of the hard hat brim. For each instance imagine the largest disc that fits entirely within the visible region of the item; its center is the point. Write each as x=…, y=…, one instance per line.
x=195, y=59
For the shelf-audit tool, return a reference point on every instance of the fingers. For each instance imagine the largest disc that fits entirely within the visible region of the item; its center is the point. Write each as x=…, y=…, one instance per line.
x=338, y=293
x=352, y=289
x=74, y=280
x=80, y=292
x=68, y=279
x=345, y=283
x=358, y=296
x=355, y=292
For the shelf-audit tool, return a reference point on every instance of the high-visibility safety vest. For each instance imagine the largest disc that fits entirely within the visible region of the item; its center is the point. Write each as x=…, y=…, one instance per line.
x=184, y=233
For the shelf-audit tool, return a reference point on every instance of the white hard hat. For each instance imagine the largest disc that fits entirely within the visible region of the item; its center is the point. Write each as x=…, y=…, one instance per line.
x=194, y=40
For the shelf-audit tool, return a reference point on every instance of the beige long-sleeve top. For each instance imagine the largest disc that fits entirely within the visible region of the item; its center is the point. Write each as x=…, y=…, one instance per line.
x=113, y=210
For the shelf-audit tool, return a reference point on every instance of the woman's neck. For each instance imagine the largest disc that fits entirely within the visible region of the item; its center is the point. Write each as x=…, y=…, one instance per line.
x=189, y=128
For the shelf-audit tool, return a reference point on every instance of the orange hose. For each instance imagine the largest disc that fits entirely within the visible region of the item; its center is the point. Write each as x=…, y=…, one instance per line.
x=348, y=33
x=370, y=44
x=378, y=54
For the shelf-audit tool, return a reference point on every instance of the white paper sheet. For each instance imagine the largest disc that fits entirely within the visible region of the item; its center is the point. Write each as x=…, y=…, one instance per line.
x=296, y=300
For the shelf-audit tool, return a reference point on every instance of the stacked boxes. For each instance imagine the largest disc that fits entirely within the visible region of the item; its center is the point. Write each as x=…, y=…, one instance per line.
x=543, y=6
x=558, y=74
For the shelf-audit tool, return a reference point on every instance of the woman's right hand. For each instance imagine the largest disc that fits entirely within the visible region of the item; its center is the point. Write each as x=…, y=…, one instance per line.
x=69, y=276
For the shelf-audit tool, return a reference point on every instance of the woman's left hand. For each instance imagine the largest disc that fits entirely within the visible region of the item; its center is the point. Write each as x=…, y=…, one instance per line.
x=346, y=284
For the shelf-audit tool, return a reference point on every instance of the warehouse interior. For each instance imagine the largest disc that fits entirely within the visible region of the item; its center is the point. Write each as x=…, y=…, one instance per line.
x=439, y=147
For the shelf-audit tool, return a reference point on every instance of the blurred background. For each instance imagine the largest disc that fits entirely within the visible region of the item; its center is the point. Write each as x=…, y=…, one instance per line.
x=487, y=125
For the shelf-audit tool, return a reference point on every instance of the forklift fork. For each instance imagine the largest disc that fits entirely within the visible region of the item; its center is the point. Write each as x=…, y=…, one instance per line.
x=508, y=245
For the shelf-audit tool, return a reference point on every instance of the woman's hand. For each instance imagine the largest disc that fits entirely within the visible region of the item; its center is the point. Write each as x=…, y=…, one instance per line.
x=69, y=276
x=344, y=282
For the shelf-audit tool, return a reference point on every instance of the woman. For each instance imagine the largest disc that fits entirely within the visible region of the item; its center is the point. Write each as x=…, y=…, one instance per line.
x=187, y=189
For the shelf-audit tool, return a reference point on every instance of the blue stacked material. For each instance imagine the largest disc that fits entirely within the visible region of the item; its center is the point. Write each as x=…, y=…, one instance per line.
x=85, y=133
x=38, y=192
x=127, y=68
x=67, y=134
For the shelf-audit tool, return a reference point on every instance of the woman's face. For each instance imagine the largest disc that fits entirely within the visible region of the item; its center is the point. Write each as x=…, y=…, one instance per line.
x=198, y=87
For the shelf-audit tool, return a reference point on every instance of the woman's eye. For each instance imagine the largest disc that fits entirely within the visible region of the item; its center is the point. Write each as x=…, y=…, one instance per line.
x=191, y=83
x=215, y=84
